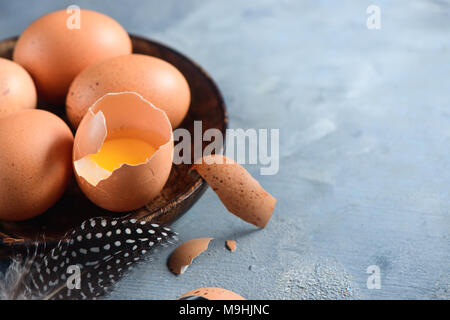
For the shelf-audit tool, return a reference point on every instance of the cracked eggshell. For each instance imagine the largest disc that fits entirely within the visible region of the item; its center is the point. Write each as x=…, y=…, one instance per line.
x=231, y=245
x=183, y=256
x=241, y=194
x=128, y=187
x=155, y=79
x=212, y=293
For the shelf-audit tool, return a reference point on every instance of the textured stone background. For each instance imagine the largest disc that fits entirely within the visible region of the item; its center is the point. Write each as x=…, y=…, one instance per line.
x=365, y=129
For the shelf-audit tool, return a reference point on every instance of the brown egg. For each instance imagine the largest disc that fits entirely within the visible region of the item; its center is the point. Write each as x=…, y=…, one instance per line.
x=35, y=163
x=123, y=156
x=183, y=256
x=156, y=80
x=212, y=293
x=241, y=194
x=53, y=50
x=17, y=90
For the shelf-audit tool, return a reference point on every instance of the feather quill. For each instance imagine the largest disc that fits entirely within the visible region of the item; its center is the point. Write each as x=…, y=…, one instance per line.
x=101, y=249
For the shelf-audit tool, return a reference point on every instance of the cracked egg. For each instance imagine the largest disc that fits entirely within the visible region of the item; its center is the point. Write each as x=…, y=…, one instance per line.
x=123, y=152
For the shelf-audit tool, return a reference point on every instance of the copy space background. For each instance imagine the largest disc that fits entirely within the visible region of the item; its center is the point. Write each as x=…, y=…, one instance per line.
x=364, y=120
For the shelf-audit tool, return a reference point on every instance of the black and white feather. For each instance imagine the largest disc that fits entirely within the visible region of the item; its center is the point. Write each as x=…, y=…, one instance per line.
x=97, y=253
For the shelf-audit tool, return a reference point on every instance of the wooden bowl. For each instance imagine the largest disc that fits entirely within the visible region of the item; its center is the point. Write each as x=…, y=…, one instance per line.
x=182, y=189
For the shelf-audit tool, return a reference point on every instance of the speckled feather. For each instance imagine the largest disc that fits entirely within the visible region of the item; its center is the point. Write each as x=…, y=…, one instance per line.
x=103, y=248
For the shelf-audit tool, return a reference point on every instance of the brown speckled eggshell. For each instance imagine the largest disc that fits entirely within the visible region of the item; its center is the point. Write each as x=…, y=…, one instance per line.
x=156, y=80
x=241, y=194
x=54, y=54
x=35, y=163
x=183, y=256
x=17, y=90
x=212, y=293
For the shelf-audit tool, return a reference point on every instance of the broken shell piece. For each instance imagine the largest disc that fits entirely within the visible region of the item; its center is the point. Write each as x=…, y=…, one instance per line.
x=123, y=152
x=212, y=293
x=241, y=194
x=231, y=245
x=183, y=256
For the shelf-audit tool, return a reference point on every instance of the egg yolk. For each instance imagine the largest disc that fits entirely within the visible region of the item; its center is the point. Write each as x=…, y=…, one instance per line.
x=117, y=151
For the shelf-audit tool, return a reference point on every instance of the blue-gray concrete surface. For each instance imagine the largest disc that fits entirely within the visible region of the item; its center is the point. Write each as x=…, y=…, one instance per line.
x=364, y=118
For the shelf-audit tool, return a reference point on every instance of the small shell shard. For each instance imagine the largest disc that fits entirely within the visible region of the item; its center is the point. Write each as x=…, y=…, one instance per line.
x=231, y=245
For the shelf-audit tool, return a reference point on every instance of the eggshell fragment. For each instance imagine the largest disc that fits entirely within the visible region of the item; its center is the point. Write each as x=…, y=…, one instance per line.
x=241, y=194
x=212, y=293
x=183, y=256
x=128, y=187
x=231, y=245
x=17, y=90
